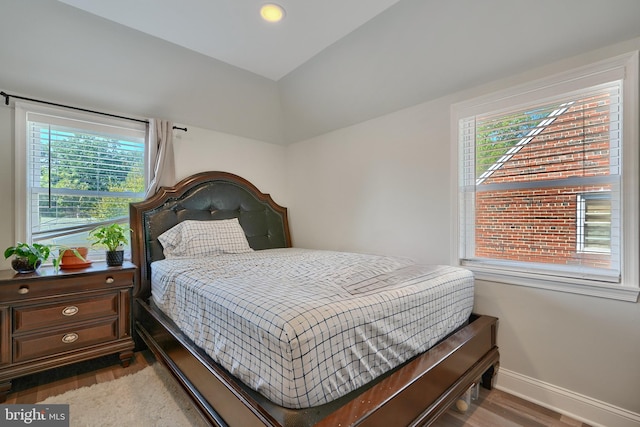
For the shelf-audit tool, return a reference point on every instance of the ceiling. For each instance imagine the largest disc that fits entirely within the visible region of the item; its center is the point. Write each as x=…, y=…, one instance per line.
x=233, y=32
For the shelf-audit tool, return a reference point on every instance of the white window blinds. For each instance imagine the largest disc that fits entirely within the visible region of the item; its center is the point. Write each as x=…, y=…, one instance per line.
x=526, y=175
x=80, y=173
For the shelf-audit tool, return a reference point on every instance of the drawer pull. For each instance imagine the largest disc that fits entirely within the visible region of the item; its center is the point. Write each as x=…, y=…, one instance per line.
x=70, y=311
x=110, y=280
x=69, y=338
x=23, y=290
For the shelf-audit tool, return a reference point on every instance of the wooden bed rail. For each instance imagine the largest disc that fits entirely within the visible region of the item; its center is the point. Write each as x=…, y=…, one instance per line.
x=415, y=395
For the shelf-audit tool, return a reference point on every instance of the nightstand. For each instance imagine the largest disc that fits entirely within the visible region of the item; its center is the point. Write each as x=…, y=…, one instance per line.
x=50, y=319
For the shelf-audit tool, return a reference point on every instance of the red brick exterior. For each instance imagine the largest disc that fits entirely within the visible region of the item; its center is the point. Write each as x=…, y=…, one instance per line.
x=540, y=225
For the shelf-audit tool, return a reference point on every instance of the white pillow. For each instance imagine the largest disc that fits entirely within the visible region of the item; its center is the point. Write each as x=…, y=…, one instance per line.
x=204, y=238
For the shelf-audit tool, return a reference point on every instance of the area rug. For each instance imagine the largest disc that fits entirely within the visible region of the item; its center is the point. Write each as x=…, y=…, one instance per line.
x=150, y=397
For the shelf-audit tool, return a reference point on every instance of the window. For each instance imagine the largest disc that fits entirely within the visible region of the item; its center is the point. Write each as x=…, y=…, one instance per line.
x=74, y=171
x=594, y=222
x=548, y=182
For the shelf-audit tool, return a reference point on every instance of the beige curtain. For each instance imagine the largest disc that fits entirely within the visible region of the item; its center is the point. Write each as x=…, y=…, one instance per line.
x=161, y=170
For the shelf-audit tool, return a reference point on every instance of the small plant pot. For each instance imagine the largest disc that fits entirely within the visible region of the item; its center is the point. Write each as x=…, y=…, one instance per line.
x=69, y=258
x=115, y=258
x=21, y=265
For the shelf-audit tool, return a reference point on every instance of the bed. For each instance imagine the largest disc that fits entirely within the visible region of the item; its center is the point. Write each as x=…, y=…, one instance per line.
x=409, y=389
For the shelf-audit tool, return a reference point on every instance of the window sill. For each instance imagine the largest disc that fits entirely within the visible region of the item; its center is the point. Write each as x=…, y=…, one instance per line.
x=574, y=286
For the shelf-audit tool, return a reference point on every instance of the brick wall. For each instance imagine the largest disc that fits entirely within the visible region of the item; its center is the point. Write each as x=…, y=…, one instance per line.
x=540, y=225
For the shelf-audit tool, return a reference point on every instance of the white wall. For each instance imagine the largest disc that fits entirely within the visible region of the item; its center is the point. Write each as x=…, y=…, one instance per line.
x=375, y=187
x=7, y=195
x=58, y=53
x=263, y=164
x=384, y=186
x=424, y=49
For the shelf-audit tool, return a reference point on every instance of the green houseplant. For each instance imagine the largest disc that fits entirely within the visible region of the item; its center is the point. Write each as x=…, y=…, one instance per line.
x=113, y=237
x=28, y=257
x=74, y=257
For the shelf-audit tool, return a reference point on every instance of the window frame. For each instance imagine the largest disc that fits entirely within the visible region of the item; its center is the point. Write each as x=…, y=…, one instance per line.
x=22, y=108
x=583, y=200
x=623, y=67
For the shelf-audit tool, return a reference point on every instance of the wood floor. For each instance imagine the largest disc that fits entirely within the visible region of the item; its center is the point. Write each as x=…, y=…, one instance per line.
x=492, y=409
x=37, y=387
x=499, y=409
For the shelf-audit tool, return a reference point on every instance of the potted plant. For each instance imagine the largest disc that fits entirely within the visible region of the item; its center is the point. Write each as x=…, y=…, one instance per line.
x=74, y=257
x=29, y=257
x=113, y=237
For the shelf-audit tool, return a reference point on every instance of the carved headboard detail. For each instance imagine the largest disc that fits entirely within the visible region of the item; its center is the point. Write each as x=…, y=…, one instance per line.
x=205, y=196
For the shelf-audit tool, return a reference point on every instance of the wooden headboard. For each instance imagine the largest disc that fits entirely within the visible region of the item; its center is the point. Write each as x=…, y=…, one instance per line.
x=205, y=196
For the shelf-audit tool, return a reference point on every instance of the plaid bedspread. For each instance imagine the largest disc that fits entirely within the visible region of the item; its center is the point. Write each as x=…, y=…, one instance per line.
x=304, y=327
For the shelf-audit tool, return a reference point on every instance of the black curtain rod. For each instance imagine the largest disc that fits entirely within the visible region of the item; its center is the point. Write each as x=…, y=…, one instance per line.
x=7, y=96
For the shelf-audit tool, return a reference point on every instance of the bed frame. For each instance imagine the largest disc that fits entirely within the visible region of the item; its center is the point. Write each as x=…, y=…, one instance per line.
x=415, y=393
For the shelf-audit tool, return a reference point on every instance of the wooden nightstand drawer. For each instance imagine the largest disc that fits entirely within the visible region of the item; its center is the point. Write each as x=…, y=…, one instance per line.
x=45, y=284
x=40, y=345
x=31, y=318
x=53, y=318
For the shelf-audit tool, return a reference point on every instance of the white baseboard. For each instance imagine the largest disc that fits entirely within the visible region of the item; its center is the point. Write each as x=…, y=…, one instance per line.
x=567, y=402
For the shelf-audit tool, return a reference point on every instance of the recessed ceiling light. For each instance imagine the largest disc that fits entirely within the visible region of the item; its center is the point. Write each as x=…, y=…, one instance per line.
x=272, y=12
